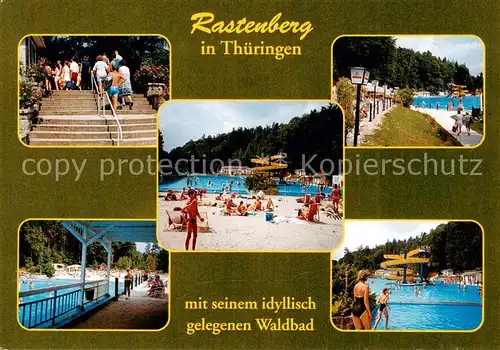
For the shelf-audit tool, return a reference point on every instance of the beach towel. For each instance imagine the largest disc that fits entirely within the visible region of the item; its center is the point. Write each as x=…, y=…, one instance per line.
x=286, y=219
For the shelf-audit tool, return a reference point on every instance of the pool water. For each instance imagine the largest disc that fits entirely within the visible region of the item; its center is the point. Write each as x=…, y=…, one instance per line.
x=431, y=317
x=201, y=181
x=469, y=102
x=440, y=307
x=42, y=313
x=53, y=282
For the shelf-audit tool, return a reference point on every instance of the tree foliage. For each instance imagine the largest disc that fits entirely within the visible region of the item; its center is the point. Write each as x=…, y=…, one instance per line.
x=315, y=133
x=455, y=245
x=43, y=243
x=47, y=269
x=148, y=52
x=261, y=182
x=405, y=97
x=150, y=263
x=400, y=67
x=345, y=92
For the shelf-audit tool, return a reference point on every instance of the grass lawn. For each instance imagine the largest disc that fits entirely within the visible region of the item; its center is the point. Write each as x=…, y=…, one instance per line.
x=477, y=127
x=404, y=127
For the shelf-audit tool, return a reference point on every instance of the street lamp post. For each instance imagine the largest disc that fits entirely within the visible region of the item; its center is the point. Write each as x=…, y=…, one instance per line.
x=383, y=103
x=359, y=76
x=375, y=84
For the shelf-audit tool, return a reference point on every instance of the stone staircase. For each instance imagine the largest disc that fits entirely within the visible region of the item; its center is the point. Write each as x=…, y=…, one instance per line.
x=70, y=118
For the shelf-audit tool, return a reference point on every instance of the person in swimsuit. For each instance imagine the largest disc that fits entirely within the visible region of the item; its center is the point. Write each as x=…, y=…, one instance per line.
x=242, y=209
x=383, y=300
x=459, y=121
x=361, y=313
x=269, y=205
x=192, y=226
x=128, y=283
x=336, y=198
x=114, y=90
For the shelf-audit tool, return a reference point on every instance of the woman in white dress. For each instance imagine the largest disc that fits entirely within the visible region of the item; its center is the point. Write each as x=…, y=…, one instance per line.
x=101, y=71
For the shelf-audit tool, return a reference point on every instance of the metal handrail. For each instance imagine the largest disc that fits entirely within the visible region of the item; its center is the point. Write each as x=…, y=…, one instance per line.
x=101, y=107
x=120, y=131
x=95, y=90
x=50, y=289
x=44, y=311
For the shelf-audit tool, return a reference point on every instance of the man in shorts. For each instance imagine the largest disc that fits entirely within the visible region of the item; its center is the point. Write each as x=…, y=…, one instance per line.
x=74, y=69
x=114, y=90
x=129, y=278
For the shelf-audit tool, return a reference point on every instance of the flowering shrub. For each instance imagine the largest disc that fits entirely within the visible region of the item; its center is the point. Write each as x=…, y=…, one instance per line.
x=30, y=89
x=152, y=74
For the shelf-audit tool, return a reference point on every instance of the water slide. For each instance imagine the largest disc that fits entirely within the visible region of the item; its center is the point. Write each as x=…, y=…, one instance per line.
x=399, y=259
x=267, y=165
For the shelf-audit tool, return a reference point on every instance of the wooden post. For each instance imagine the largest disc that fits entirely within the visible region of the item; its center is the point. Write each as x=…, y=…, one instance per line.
x=116, y=289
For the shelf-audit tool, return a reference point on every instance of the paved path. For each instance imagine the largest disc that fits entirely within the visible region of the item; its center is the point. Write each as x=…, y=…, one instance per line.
x=139, y=312
x=444, y=119
x=367, y=128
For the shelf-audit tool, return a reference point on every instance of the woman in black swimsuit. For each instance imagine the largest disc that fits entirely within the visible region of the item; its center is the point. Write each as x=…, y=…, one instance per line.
x=361, y=313
x=384, y=306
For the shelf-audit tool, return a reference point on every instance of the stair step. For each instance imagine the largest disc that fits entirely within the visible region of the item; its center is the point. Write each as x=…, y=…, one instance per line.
x=86, y=111
x=93, y=119
x=70, y=99
x=62, y=104
x=149, y=141
x=92, y=127
x=91, y=135
x=71, y=92
x=90, y=102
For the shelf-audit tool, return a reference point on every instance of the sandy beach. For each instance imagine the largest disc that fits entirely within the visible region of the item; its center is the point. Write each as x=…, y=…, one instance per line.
x=286, y=232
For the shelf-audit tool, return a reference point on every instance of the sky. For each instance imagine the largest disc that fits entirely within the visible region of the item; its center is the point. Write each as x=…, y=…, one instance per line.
x=185, y=120
x=463, y=49
x=373, y=233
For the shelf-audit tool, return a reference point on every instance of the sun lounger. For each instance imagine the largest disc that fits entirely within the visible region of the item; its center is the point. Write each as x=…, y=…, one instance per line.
x=158, y=292
x=177, y=222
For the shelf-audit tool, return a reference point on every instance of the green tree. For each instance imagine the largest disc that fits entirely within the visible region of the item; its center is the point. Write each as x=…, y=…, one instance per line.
x=405, y=96
x=47, y=269
x=261, y=182
x=124, y=263
x=345, y=95
x=151, y=263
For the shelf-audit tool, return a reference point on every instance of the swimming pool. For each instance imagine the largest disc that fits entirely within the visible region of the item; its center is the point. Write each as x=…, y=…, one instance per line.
x=31, y=315
x=440, y=307
x=201, y=181
x=431, y=102
x=54, y=282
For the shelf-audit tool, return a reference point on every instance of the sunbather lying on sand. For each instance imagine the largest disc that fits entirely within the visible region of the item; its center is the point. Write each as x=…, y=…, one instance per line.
x=255, y=206
x=308, y=213
x=241, y=209
x=170, y=196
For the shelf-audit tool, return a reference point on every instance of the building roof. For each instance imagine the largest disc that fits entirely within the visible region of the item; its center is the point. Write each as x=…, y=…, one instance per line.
x=123, y=230
x=38, y=40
